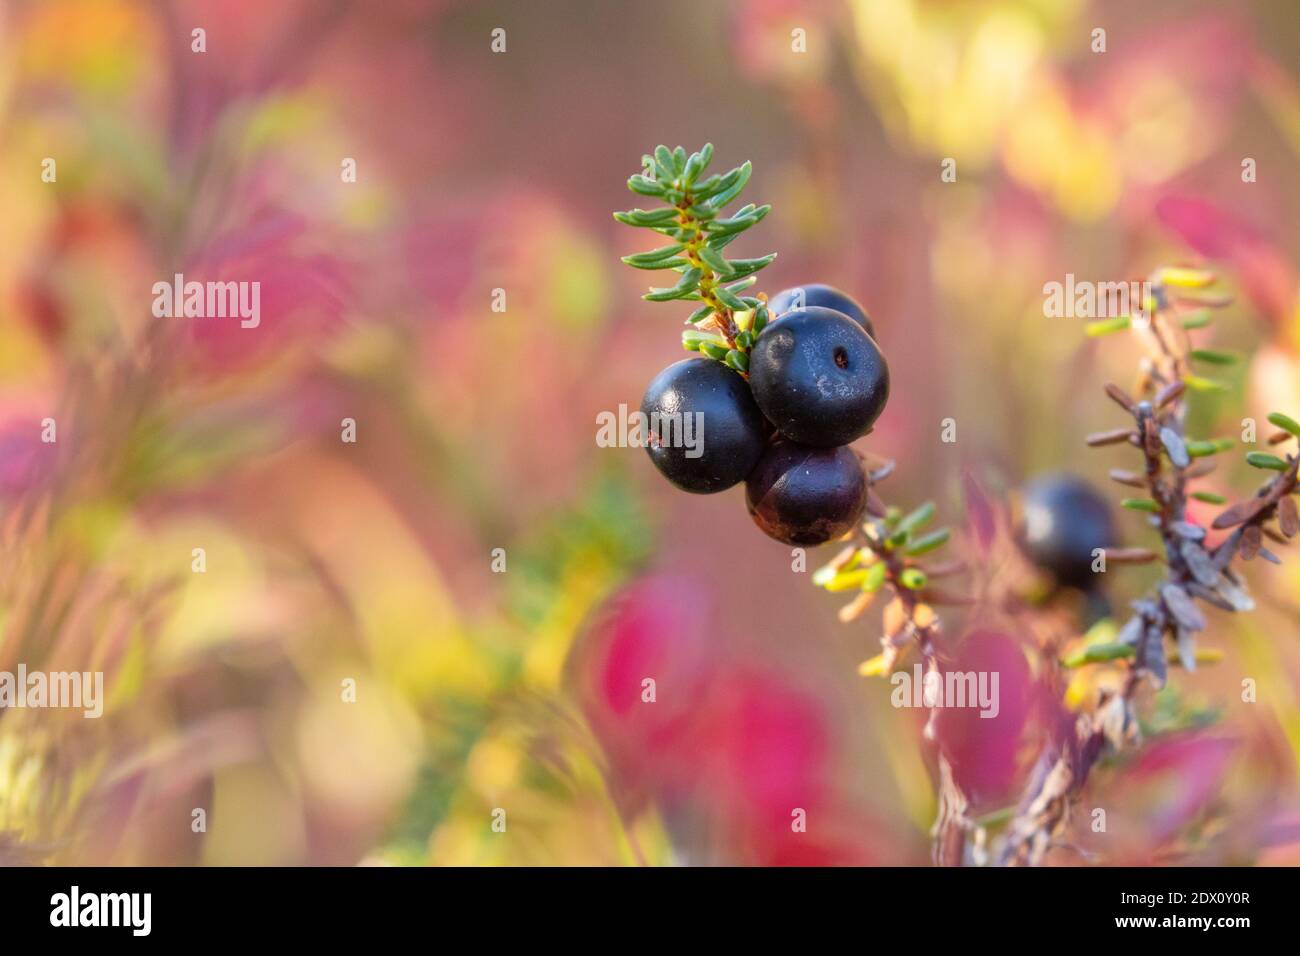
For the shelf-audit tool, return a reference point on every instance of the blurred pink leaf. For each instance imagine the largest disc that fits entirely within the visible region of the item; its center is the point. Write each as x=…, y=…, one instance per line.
x=985, y=751
x=1212, y=232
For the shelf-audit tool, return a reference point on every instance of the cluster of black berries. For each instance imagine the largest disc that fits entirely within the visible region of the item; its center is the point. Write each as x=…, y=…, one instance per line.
x=817, y=380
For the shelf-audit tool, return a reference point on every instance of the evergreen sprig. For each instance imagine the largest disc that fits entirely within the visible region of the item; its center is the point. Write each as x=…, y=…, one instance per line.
x=726, y=322
x=890, y=552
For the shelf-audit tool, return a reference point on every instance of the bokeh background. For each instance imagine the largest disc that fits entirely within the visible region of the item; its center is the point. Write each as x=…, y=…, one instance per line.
x=371, y=561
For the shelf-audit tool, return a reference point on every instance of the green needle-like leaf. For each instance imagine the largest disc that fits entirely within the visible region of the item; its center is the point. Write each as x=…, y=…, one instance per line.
x=745, y=267
x=1262, y=459
x=674, y=232
x=913, y=579
x=747, y=217
x=735, y=288
x=1198, y=384
x=665, y=257
x=875, y=578
x=1097, y=653
x=715, y=261
x=918, y=518
x=1214, y=358
x=729, y=298
x=697, y=163
x=675, y=262
x=692, y=339
x=664, y=164
x=1203, y=449
x=705, y=188
x=847, y=580
x=928, y=543
x=689, y=283
x=645, y=186
x=1106, y=326
x=1285, y=423
x=733, y=182
x=644, y=217
x=1139, y=504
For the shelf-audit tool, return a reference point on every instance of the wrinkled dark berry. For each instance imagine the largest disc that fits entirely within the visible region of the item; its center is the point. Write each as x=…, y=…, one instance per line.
x=1063, y=520
x=818, y=377
x=704, y=404
x=821, y=296
x=802, y=495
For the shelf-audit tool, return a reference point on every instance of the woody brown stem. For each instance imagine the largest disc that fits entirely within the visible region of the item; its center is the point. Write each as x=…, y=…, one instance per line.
x=722, y=316
x=952, y=821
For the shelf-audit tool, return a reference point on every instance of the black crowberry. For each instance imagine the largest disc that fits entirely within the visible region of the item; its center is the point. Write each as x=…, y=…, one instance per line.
x=1063, y=521
x=822, y=296
x=802, y=495
x=705, y=433
x=818, y=377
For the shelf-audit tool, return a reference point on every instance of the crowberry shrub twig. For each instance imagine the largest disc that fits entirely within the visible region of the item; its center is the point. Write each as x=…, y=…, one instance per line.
x=886, y=554
x=1169, y=612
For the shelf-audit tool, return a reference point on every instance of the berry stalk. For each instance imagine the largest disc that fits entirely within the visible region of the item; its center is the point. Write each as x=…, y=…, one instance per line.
x=696, y=248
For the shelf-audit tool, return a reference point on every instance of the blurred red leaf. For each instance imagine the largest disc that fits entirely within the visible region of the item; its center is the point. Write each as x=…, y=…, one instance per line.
x=1266, y=275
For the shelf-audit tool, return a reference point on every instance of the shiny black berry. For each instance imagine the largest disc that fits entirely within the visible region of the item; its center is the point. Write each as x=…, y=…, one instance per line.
x=822, y=296
x=705, y=433
x=1063, y=521
x=802, y=495
x=818, y=377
